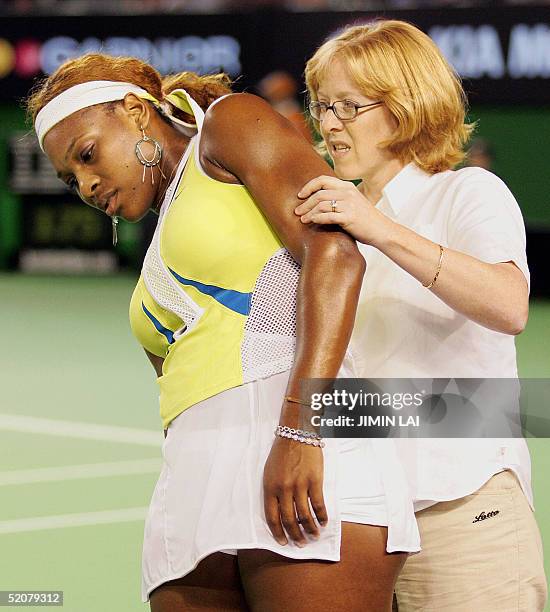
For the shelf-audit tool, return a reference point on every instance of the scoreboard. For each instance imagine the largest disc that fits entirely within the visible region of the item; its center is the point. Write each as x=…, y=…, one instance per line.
x=58, y=233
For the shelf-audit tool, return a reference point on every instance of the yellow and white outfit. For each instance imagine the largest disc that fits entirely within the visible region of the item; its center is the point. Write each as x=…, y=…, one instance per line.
x=217, y=293
x=217, y=299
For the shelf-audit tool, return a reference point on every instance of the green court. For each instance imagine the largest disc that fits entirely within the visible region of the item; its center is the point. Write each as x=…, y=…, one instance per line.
x=80, y=438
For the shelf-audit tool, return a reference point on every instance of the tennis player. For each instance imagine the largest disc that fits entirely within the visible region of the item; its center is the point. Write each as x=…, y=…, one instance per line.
x=237, y=302
x=446, y=290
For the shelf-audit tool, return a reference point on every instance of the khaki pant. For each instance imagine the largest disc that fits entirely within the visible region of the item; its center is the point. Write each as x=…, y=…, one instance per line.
x=481, y=553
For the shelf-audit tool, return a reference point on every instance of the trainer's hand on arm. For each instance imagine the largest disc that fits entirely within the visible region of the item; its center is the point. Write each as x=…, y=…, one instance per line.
x=247, y=138
x=352, y=211
x=494, y=295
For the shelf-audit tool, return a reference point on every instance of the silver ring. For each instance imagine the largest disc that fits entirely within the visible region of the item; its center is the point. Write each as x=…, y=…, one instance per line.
x=333, y=205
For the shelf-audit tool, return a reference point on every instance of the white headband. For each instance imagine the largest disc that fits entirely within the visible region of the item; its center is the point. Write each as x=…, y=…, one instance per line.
x=97, y=92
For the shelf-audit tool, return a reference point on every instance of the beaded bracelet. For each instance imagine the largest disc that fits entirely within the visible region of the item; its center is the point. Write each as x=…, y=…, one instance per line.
x=305, y=437
x=300, y=432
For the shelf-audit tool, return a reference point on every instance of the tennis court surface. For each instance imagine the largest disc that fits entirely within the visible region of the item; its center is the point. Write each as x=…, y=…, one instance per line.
x=80, y=438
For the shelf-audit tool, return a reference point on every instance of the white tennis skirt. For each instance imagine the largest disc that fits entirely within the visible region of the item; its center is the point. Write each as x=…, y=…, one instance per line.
x=209, y=496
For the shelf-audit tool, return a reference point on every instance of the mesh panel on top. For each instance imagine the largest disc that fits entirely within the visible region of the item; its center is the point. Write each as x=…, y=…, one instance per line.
x=270, y=331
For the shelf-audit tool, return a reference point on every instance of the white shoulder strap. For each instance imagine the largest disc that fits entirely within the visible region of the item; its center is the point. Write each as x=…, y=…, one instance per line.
x=182, y=100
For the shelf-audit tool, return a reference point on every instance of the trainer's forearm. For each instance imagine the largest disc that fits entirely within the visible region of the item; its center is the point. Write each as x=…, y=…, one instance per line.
x=493, y=295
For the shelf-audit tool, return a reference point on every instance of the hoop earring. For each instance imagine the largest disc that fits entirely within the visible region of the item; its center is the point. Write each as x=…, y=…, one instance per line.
x=149, y=163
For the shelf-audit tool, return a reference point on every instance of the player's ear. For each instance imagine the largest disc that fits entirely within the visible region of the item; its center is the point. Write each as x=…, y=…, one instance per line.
x=137, y=110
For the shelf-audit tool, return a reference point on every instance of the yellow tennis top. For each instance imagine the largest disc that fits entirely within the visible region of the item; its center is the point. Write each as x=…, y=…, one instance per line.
x=216, y=297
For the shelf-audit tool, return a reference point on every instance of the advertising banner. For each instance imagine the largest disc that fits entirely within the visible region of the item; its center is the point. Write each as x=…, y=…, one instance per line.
x=503, y=55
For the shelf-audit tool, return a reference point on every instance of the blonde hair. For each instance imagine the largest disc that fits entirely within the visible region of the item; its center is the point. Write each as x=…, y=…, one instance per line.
x=98, y=66
x=395, y=62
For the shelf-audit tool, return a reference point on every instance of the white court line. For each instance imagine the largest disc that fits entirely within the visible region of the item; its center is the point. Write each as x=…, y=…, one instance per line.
x=62, y=521
x=77, y=429
x=78, y=472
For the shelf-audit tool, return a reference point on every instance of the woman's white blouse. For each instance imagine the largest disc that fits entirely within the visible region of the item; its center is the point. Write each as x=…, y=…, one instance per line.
x=403, y=330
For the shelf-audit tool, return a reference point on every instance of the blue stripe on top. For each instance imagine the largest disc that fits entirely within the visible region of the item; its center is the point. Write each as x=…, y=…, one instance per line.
x=160, y=328
x=234, y=300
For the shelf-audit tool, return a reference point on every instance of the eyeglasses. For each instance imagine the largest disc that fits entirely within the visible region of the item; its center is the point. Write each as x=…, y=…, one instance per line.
x=345, y=110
